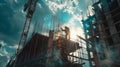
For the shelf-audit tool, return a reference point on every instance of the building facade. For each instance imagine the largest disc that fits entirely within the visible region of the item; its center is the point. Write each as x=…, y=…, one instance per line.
x=103, y=30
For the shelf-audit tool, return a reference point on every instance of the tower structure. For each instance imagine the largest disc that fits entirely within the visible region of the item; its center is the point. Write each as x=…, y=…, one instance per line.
x=30, y=7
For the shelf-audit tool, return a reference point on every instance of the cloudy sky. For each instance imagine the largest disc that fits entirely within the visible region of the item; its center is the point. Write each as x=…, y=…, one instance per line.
x=66, y=12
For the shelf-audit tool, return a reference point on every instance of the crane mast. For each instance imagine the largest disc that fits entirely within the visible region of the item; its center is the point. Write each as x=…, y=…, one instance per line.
x=29, y=7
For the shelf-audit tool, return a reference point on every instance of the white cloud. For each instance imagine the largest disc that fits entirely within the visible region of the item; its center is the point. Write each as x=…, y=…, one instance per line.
x=16, y=1
x=76, y=2
x=2, y=49
x=66, y=6
x=54, y=6
x=70, y=10
x=2, y=43
x=14, y=47
x=4, y=53
x=39, y=5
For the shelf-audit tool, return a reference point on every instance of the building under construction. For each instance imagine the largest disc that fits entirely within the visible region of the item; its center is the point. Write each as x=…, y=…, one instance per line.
x=55, y=50
x=103, y=31
x=39, y=52
x=102, y=41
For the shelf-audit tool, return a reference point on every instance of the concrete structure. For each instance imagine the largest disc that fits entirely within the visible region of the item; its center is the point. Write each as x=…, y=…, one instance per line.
x=42, y=51
x=103, y=30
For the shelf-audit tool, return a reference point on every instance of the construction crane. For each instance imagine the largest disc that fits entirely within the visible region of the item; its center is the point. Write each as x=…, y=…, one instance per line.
x=29, y=7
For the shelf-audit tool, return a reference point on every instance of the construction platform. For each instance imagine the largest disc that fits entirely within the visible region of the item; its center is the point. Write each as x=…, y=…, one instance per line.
x=35, y=53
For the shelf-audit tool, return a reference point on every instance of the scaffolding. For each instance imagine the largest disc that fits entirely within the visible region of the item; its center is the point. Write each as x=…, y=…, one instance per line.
x=39, y=50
